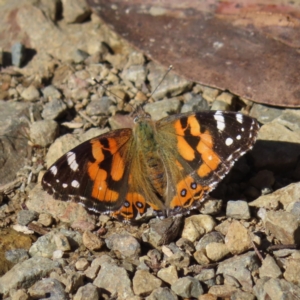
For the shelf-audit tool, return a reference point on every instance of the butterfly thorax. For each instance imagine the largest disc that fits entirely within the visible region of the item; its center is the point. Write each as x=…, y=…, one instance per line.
x=148, y=152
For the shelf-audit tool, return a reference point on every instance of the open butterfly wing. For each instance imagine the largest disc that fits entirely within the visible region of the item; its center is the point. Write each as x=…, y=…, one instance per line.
x=207, y=145
x=94, y=173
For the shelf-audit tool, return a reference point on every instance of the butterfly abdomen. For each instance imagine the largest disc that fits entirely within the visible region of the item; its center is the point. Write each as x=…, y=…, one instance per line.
x=149, y=157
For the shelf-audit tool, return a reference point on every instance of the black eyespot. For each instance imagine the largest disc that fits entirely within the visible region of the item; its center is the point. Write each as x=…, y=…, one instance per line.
x=139, y=204
x=126, y=204
x=193, y=185
x=183, y=193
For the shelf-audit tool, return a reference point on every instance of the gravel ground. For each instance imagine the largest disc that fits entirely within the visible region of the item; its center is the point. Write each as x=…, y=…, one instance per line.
x=241, y=244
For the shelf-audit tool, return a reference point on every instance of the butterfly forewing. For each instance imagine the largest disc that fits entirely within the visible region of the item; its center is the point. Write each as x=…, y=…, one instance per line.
x=207, y=145
x=93, y=173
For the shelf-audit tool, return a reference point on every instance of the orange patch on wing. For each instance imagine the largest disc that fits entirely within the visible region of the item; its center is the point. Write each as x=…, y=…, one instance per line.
x=211, y=160
x=97, y=150
x=127, y=212
x=178, y=128
x=186, y=200
x=194, y=125
x=185, y=150
x=99, y=176
x=117, y=168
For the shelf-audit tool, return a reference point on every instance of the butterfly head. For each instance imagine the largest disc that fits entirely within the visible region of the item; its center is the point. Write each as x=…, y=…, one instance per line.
x=139, y=115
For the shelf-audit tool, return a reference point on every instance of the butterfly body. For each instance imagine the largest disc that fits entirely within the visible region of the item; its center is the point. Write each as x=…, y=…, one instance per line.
x=165, y=167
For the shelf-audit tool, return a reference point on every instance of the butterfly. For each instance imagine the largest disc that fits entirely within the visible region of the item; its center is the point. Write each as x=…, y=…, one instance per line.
x=165, y=167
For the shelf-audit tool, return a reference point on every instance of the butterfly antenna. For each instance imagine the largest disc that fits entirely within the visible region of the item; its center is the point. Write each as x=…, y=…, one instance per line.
x=106, y=89
x=168, y=71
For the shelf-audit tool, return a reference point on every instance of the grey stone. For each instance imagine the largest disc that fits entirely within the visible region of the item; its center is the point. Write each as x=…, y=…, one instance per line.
x=290, y=118
x=48, y=288
x=136, y=74
x=114, y=280
x=220, y=105
x=179, y=259
x=238, y=209
x=124, y=244
x=92, y=241
x=241, y=295
x=207, y=276
x=81, y=264
x=99, y=106
x=51, y=92
x=208, y=238
x=292, y=271
x=54, y=109
x=30, y=93
x=284, y=226
x=162, y=232
x=44, y=132
x=196, y=103
x=282, y=197
x=17, y=54
x=168, y=274
x=16, y=255
x=240, y=267
x=172, y=84
x=18, y=295
x=163, y=108
x=216, y=251
x=92, y=271
x=26, y=273
x=211, y=207
x=47, y=244
x=210, y=94
x=87, y=292
x=144, y=283
x=162, y=293
x=187, y=287
x=45, y=219
x=237, y=238
x=26, y=216
x=72, y=281
x=269, y=268
x=221, y=289
x=265, y=114
x=75, y=11
x=275, y=288
x=294, y=208
x=196, y=226
x=61, y=242
x=201, y=257
x=185, y=245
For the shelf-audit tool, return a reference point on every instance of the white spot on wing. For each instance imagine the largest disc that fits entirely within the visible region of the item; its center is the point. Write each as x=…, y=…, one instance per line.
x=53, y=170
x=220, y=120
x=75, y=184
x=72, y=161
x=64, y=185
x=238, y=137
x=228, y=141
x=239, y=118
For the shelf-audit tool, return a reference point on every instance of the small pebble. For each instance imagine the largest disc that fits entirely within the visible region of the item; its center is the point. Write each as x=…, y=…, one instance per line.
x=91, y=241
